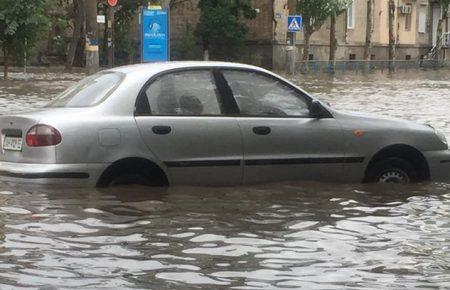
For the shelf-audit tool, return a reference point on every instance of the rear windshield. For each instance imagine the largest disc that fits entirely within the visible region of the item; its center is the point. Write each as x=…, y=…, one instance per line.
x=89, y=91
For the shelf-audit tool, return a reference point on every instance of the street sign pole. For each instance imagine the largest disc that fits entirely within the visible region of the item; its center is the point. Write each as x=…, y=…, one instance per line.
x=294, y=23
x=294, y=52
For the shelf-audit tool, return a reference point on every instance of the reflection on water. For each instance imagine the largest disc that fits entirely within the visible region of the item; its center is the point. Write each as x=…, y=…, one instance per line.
x=296, y=235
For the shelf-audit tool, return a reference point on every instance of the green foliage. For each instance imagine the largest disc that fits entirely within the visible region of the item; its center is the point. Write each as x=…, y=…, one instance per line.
x=220, y=24
x=127, y=49
x=445, y=4
x=58, y=13
x=219, y=27
x=236, y=7
x=128, y=9
x=185, y=48
x=316, y=12
x=20, y=21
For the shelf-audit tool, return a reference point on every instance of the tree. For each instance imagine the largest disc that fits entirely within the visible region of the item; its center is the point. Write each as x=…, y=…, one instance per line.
x=445, y=6
x=333, y=40
x=185, y=47
x=392, y=38
x=337, y=7
x=78, y=16
x=20, y=23
x=369, y=31
x=92, y=55
x=125, y=46
x=315, y=13
x=220, y=23
x=58, y=14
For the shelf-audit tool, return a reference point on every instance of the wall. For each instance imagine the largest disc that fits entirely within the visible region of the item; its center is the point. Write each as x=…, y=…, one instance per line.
x=259, y=29
x=182, y=16
x=352, y=40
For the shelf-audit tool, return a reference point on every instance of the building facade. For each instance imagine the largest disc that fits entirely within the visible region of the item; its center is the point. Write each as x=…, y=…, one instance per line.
x=415, y=30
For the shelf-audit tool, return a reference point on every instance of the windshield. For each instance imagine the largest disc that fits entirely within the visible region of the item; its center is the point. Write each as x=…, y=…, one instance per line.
x=89, y=91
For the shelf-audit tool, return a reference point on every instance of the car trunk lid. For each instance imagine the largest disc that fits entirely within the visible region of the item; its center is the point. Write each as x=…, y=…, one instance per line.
x=13, y=147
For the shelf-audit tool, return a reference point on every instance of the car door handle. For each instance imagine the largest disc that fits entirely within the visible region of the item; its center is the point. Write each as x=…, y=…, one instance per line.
x=262, y=130
x=162, y=130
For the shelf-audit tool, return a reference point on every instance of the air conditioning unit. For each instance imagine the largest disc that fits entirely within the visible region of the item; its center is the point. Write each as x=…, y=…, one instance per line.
x=405, y=9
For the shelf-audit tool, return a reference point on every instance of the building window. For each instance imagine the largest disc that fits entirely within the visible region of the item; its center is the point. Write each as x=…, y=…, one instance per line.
x=422, y=19
x=408, y=57
x=352, y=56
x=351, y=15
x=408, y=19
x=372, y=57
x=311, y=57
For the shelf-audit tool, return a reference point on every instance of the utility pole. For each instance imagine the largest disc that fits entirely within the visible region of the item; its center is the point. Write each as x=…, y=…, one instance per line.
x=92, y=55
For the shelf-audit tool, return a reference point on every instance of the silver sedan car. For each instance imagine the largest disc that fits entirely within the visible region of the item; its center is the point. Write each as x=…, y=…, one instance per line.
x=209, y=123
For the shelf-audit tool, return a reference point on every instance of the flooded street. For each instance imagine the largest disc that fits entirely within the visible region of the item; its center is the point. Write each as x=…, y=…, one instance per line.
x=281, y=236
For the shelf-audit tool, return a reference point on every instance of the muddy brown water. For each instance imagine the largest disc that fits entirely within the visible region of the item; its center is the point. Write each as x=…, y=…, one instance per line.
x=291, y=235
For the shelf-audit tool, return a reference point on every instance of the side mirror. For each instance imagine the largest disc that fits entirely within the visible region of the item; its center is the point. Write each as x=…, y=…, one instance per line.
x=316, y=109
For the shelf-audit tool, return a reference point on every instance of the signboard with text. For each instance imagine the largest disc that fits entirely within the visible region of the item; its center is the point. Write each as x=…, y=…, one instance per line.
x=155, y=35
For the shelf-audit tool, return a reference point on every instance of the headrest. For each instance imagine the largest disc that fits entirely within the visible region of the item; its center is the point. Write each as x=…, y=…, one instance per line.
x=190, y=105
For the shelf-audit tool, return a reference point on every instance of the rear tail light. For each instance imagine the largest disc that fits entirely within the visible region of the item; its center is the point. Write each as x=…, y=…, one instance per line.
x=43, y=135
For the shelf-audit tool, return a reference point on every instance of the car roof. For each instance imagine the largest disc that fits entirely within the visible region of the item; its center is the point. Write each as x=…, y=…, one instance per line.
x=157, y=67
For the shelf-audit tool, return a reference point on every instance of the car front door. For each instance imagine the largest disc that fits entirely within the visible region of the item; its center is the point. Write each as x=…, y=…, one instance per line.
x=180, y=117
x=281, y=140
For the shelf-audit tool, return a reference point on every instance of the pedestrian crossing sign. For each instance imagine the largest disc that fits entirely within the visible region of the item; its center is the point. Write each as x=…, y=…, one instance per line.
x=295, y=23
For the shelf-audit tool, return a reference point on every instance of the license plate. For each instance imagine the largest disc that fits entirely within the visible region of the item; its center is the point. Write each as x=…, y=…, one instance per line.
x=12, y=143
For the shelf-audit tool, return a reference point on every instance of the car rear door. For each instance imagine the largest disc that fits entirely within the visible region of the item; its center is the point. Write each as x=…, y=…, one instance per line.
x=281, y=140
x=180, y=115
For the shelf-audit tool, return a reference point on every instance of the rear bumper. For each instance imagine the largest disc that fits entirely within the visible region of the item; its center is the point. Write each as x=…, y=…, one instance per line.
x=64, y=174
x=439, y=163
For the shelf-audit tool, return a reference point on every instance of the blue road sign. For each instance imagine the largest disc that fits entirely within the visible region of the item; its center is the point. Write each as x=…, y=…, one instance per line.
x=295, y=23
x=155, y=35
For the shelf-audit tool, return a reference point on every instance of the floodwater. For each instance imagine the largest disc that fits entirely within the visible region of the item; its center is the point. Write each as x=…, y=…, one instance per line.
x=281, y=236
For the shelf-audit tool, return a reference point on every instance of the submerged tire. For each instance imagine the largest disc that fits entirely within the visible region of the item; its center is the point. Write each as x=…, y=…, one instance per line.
x=392, y=170
x=136, y=171
x=129, y=179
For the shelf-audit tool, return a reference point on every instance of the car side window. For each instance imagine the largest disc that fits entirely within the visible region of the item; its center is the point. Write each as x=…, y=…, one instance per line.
x=259, y=95
x=187, y=93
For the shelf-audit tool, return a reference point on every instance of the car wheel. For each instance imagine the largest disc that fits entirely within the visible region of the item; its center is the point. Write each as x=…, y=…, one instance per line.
x=392, y=170
x=128, y=179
